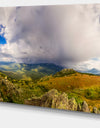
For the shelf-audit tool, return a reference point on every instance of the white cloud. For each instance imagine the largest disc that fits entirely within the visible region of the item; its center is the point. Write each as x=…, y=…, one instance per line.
x=66, y=35
x=87, y=65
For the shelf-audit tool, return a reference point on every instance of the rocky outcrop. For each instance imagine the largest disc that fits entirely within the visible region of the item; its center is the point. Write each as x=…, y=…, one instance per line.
x=96, y=111
x=8, y=91
x=72, y=105
x=54, y=99
x=60, y=101
x=85, y=107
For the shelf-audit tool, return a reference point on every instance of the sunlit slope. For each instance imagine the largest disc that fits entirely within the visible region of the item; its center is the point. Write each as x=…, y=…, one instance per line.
x=71, y=81
x=82, y=86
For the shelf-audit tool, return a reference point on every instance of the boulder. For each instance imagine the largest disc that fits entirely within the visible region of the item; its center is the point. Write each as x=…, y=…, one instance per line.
x=72, y=104
x=85, y=107
x=49, y=98
x=61, y=101
x=96, y=111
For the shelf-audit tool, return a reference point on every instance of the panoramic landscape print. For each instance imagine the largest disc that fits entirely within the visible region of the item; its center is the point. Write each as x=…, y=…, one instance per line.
x=50, y=56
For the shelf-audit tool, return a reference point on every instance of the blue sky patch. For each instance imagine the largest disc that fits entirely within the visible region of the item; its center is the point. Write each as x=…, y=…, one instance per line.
x=2, y=38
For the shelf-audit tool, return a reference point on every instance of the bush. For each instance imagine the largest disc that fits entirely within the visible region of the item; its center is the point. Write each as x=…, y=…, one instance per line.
x=77, y=97
x=91, y=93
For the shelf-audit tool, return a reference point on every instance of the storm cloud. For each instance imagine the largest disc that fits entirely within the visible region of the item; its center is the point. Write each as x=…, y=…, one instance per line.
x=64, y=35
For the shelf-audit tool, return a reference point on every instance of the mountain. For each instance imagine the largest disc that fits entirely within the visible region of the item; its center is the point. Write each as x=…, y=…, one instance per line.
x=5, y=63
x=28, y=71
x=91, y=71
x=94, y=71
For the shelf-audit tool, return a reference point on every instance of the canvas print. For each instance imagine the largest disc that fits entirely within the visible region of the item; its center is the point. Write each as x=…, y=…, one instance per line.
x=50, y=56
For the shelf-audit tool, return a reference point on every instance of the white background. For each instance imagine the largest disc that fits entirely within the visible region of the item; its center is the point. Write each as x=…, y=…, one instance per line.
x=21, y=116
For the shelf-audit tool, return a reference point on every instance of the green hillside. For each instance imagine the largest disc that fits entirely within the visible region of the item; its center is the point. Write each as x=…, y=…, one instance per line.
x=28, y=71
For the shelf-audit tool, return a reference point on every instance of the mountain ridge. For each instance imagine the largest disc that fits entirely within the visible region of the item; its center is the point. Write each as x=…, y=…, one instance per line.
x=26, y=71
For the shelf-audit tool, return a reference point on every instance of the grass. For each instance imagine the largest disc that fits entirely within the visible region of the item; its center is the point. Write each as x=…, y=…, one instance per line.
x=81, y=86
x=70, y=82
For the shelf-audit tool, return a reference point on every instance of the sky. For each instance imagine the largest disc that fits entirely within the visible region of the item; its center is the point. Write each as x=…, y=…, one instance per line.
x=66, y=35
x=2, y=38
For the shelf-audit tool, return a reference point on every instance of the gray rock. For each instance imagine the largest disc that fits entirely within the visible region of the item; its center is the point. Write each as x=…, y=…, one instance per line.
x=54, y=99
x=85, y=107
x=79, y=108
x=61, y=101
x=96, y=111
x=48, y=99
x=72, y=105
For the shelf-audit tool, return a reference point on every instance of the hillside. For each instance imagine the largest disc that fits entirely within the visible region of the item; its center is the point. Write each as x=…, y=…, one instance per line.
x=20, y=71
x=80, y=86
x=17, y=92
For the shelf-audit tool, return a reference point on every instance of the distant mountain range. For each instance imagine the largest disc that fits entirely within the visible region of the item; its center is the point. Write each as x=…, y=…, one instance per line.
x=91, y=71
x=34, y=71
x=26, y=71
x=94, y=71
x=44, y=67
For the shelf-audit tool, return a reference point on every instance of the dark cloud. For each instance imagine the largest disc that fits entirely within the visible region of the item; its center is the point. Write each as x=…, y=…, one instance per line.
x=64, y=35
